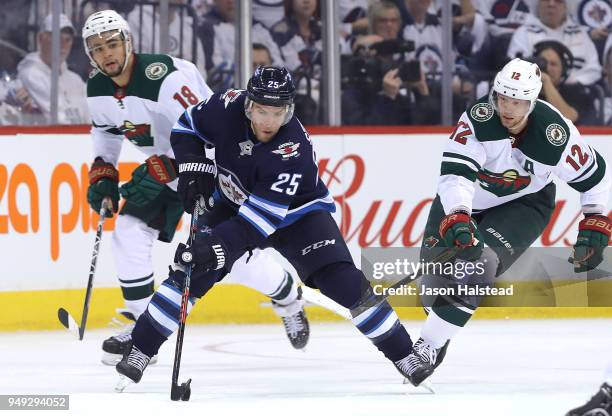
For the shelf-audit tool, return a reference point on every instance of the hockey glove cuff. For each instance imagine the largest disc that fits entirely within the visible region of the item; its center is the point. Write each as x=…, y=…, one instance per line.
x=459, y=230
x=197, y=176
x=103, y=182
x=149, y=180
x=207, y=251
x=593, y=237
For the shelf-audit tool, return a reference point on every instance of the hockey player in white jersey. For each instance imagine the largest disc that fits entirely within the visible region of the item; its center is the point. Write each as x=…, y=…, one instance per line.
x=496, y=187
x=139, y=97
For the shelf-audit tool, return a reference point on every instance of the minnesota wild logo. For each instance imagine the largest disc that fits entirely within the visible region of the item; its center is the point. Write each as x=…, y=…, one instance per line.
x=503, y=184
x=482, y=112
x=156, y=70
x=138, y=134
x=556, y=134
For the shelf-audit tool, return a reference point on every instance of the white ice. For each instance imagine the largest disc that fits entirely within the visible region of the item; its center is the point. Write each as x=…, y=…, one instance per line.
x=497, y=368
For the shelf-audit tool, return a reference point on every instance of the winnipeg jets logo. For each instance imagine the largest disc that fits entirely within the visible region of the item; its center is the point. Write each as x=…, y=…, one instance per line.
x=595, y=13
x=231, y=190
x=230, y=96
x=246, y=148
x=287, y=150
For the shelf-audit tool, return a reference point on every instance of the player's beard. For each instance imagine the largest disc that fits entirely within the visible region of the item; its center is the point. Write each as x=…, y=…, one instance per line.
x=116, y=72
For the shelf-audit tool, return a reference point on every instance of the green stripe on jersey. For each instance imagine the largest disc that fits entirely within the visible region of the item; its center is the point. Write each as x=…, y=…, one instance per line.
x=462, y=157
x=459, y=169
x=594, y=179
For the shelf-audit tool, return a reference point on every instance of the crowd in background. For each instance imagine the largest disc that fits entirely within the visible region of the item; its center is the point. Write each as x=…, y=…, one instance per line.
x=391, y=61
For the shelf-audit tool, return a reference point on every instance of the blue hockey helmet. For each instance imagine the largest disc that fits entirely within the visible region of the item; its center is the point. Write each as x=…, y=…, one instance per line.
x=271, y=86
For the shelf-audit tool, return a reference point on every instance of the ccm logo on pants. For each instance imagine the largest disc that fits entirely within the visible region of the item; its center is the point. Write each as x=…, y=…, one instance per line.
x=315, y=246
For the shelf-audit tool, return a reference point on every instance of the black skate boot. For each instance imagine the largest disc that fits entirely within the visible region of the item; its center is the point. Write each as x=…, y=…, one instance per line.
x=294, y=321
x=599, y=405
x=441, y=354
x=131, y=367
x=115, y=347
x=421, y=363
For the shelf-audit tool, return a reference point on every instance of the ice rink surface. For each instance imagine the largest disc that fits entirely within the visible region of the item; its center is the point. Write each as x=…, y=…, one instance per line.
x=518, y=368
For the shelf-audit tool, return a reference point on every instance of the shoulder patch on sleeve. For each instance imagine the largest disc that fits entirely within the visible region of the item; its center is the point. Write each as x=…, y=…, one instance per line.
x=156, y=70
x=556, y=134
x=547, y=135
x=230, y=96
x=287, y=150
x=481, y=112
x=487, y=127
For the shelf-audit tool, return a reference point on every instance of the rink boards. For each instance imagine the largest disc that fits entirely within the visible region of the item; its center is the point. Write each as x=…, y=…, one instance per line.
x=383, y=182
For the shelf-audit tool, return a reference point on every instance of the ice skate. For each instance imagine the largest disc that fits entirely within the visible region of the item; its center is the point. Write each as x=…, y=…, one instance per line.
x=131, y=367
x=115, y=347
x=599, y=405
x=421, y=363
x=294, y=321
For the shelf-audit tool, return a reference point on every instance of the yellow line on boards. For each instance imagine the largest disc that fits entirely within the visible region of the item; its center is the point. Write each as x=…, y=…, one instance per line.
x=225, y=303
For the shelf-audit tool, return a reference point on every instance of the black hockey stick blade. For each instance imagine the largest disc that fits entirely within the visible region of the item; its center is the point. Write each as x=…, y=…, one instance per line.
x=182, y=392
x=69, y=323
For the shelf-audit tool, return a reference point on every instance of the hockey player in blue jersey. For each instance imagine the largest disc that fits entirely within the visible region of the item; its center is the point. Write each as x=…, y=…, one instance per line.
x=266, y=193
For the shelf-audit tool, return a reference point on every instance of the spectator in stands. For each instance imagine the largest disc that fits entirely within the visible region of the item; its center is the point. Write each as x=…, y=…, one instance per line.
x=607, y=72
x=554, y=23
x=352, y=14
x=268, y=12
x=183, y=41
x=503, y=18
x=353, y=19
x=469, y=27
x=217, y=33
x=298, y=36
x=574, y=101
x=16, y=105
x=13, y=45
x=374, y=92
x=201, y=7
x=34, y=71
x=260, y=56
x=424, y=28
x=596, y=16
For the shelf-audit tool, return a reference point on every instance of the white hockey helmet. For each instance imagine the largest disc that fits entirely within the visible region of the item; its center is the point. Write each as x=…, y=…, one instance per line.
x=106, y=21
x=518, y=79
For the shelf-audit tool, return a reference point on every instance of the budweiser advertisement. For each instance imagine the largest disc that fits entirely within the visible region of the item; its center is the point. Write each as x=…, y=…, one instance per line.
x=383, y=185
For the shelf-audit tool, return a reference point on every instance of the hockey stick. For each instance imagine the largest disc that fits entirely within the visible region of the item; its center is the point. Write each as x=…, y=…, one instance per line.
x=317, y=298
x=64, y=317
x=183, y=391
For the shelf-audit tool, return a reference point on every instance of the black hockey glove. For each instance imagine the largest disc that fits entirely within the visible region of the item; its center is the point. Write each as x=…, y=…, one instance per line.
x=197, y=176
x=103, y=182
x=593, y=237
x=207, y=251
x=459, y=230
